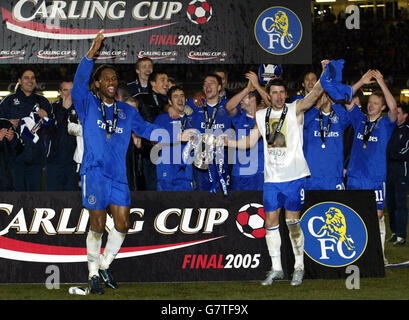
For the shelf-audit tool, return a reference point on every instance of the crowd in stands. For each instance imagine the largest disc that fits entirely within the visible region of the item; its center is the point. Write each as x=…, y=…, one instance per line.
x=378, y=43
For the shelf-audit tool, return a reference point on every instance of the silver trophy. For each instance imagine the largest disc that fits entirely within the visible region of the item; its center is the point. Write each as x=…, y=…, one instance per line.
x=205, y=150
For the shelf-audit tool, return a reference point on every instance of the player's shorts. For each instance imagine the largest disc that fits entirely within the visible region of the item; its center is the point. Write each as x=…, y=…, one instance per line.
x=321, y=183
x=99, y=191
x=364, y=184
x=253, y=182
x=289, y=195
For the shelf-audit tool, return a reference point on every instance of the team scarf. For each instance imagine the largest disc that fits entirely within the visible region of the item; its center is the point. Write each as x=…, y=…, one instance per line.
x=31, y=124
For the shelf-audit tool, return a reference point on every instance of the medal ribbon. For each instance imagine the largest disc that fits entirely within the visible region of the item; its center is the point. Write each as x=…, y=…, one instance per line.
x=104, y=116
x=206, y=114
x=368, y=130
x=322, y=133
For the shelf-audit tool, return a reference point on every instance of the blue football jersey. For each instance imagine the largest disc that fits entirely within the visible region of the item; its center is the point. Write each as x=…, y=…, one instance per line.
x=369, y=162
x=106, y=152
x=325, y=159
x=222, y=121
x=170, y=165
x=251, y=161
x=296, y=97
x=221, y=124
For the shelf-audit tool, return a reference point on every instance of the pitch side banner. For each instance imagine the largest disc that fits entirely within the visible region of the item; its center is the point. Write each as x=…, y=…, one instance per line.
x=186, y=31
x=187, y=236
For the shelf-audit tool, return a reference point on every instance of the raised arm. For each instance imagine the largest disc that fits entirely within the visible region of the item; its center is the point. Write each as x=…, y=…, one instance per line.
x=390, y=100
x=260, y=89
x=96, y=44
x=231, y=106
x=311, y=98
x=80, y=92
x=367, y=78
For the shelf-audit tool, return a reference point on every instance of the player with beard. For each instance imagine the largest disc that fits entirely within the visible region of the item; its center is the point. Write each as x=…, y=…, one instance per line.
x=107, y=127
x=285, y=169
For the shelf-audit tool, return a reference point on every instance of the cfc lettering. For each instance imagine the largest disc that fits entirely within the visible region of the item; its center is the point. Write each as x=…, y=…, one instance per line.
x=327, y=244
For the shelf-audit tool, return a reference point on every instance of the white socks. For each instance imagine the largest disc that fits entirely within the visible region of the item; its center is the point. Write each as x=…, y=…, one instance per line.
x=114, y=243
x=297, y=241
x=94, y=240
x=273, y=240
x=382, y=231
x=97, y=261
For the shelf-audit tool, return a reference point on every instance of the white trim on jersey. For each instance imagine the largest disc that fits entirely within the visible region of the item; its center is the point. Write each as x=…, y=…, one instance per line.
x=84, y=187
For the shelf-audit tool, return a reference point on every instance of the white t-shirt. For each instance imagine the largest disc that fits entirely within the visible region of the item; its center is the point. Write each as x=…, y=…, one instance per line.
x=285, y=161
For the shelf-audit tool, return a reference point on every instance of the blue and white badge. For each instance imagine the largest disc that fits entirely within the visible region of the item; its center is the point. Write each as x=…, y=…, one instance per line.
x=278, y=30
x=267, y=71
x=335, y=235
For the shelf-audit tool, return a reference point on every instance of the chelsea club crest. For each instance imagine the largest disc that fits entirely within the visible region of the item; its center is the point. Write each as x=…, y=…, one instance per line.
x=278, y=30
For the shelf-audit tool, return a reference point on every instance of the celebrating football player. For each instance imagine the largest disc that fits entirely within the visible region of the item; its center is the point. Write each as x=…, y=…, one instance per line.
x=107, y=127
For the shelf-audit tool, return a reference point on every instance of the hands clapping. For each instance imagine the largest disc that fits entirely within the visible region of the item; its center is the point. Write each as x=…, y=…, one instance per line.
x=6, y=133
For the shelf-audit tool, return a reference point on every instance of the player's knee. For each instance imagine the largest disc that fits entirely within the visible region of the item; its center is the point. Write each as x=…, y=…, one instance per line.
x=122, y=225
x=97, y=223
x=97, y=227
x=271, y=220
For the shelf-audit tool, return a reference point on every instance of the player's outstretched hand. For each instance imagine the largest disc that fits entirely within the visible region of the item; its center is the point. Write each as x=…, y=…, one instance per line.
x=96, y=44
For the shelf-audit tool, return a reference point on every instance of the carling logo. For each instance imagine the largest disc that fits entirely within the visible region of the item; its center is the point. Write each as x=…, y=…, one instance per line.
x=335, y=234
x=23, y=248
x=278, y=30
x=38, y=18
